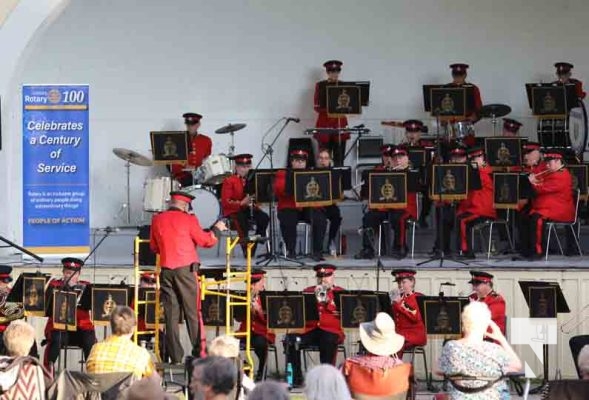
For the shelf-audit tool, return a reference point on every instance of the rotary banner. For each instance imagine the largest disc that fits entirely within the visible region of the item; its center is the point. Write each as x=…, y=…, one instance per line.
x=56, y=169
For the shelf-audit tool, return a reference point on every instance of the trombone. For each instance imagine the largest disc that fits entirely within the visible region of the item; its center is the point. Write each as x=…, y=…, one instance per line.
x=567, y=330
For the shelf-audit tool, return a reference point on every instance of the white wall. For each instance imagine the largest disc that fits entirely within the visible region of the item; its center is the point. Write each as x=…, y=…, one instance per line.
x=149, y=61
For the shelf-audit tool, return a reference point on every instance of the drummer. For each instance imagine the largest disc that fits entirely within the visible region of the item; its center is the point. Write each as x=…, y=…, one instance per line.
x=239, y=206
x=459, y=80
x=563, y=73
x=200, y=147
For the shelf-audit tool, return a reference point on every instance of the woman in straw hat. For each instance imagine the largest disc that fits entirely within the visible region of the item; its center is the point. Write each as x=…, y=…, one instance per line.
x=379, y=372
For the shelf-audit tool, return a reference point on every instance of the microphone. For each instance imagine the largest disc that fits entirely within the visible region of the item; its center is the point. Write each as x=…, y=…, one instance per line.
x=447, y=284
x=293, y=119
x=110, y=229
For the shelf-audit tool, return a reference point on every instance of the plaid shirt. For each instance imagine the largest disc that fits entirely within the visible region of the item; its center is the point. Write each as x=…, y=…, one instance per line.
x=119, y=354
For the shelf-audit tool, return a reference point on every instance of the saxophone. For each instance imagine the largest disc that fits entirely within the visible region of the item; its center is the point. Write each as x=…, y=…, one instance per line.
x=9, y=311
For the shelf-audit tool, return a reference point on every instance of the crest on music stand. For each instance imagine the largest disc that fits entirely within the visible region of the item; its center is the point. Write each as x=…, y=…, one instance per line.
x=29, y=289
x=503, y=151
x=387, y=190
x=104, y=300
x=356, y=308
x=169, y=147
x=285, y=312
x=442, y=315
x=449, y=181
x=213, y=310
x=64, y=310
x=448, y=101
x=505, y=190
x=312, y=188
x=343, y=100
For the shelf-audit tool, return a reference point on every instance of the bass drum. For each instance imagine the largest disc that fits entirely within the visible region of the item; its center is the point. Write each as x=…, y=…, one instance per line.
x=578, y=130
x=205, y=205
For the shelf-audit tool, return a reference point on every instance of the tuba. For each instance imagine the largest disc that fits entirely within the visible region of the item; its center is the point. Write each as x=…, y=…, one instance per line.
x=9, y=311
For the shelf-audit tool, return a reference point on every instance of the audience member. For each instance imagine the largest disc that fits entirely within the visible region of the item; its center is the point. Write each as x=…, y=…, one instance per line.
x=213, y=378
x=473, y=357
x=228, y=347
x=269, y=390
x=379, y=373
x=325, y=382
x=583, y=362
x=148, y=388
x=118, y=353
x=18, y=338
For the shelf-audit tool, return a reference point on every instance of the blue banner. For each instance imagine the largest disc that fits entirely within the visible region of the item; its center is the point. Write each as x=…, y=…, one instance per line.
x=56, y=196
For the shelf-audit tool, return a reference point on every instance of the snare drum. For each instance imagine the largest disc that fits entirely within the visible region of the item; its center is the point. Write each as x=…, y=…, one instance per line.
x=205, y=205
x=157, y=193
x=214, y=169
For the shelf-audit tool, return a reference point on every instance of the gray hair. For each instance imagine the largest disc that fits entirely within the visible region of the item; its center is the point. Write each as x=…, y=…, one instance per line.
x=18, y=338
x=217, y=372
x=476, y=316
x=269, y=390
x=583, y=361
x=325, y=382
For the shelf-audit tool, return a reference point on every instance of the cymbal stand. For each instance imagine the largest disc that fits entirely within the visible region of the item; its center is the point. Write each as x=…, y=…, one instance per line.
x=232, y=146
x=127, y=204
x=494, y=123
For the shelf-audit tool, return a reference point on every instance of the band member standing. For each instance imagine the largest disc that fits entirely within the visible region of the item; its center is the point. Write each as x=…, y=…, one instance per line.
x=511, y=127
x=482, y=287
x=459, y=73
x=84, y=336
x=478, y=206
x=406, y=313
x=332, y=212
x=289, y=215
x=199, y=147
x=563, y=73
x=397, y=217
x=445, y=211
x=554, y=201
x=239, y=206
x=175, y=236
x=260, y=336
x=326, y=333
x=413, y=130
x=335, y=143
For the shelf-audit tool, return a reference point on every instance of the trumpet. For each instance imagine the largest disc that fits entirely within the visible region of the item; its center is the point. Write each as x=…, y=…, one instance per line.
x=321, y=293
x=567, y=330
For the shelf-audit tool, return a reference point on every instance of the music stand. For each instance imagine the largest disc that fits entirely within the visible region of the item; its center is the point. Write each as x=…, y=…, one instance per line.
x=104, y=298
x=356, y=307
x=29, y=289
x=506, y=190
x=580, y=179
x=503, y=152
x=169, y=147
x=442, y=315
x=545, y=300
x=387, y=190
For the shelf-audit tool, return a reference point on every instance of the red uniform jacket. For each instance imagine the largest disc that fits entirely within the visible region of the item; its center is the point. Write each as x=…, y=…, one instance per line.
x=259, y=323
x=84, y=323
x=480, y=202
x=284, y=200
x=201, y=147
x=578, y=87
x=554, y=198
x=496, y=304
x=409, y=323
x=329, y=319
x=175, y=236
x=232, y=192
x=478, y=102
x=325, y=121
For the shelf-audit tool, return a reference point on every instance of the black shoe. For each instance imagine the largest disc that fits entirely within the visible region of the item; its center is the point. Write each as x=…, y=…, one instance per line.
x=317, y=257
x=364, y=255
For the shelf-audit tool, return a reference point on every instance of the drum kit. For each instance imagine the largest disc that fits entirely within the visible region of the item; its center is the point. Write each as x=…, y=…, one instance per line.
x=210, y=174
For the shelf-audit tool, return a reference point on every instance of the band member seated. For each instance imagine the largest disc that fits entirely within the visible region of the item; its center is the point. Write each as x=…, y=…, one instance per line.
x=332, y=212
x=408, y=320
x=289, y=215
x=84, y=336
x=563, y=73
x=478, y=206
x=482, y=290
x=335, y=143
x=327, y=333
x=459, y=73
x=397, y=217
x=554, y=201
x=175, y=236
x=260, y=336
x=413, y=130
x=533, y=158
x=239, y=206
x=446, y=211
x=511, y=127
x=199, y=147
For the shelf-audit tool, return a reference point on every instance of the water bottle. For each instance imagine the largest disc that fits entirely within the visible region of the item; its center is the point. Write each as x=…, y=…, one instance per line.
x=289, y=375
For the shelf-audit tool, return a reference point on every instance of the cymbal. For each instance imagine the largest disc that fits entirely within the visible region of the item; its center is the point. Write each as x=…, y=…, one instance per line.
x=494, y=110
x=230, y=128
x=132, y=156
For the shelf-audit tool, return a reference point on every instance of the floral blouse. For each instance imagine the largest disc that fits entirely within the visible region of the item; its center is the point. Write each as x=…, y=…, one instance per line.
x=484, y=359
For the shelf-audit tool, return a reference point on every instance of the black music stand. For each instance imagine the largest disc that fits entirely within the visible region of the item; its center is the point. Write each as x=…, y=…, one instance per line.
x=545, y=300
x=29, y=289
x=169, y=147
x=104, y=298
x=357, y=306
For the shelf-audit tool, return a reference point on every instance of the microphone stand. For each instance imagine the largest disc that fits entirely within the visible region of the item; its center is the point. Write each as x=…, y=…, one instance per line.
x=107, y=231
x=273, y=254
x=63, y=289
x=19, y=248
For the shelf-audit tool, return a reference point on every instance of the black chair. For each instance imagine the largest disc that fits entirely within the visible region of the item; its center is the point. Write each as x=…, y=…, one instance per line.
x=420, y=350
x=566, y=390
x=315, y=349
